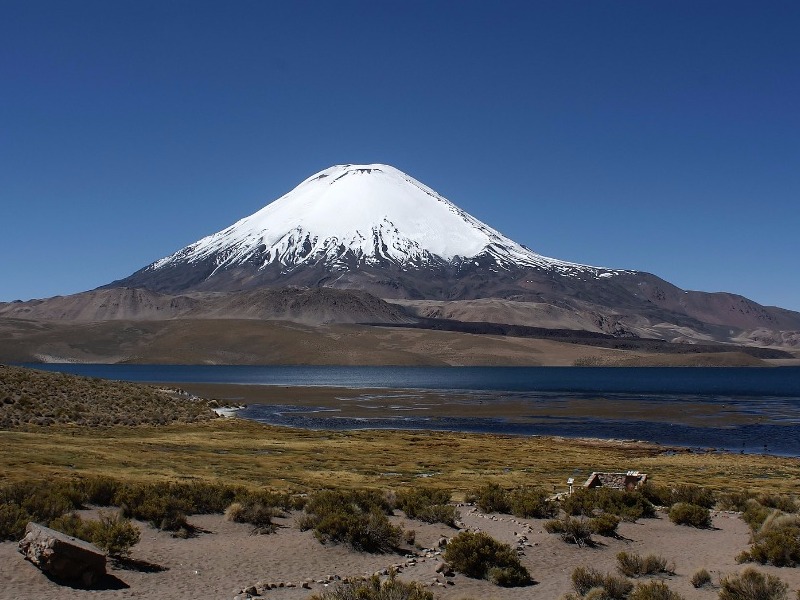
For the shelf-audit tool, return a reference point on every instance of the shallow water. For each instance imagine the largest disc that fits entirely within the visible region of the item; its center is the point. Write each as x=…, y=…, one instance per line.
x=735, y=409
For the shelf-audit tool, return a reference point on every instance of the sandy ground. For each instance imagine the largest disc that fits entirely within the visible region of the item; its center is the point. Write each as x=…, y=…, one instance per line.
x=226, y=559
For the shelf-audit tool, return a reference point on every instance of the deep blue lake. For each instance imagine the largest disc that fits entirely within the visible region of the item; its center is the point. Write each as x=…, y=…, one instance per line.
x=735, y=409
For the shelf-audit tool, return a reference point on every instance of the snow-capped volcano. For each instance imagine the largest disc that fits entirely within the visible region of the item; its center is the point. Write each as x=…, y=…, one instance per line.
x=351, y=217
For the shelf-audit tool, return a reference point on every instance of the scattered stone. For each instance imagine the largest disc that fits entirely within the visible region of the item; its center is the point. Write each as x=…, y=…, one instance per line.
x=252, y=591
x=62, y=556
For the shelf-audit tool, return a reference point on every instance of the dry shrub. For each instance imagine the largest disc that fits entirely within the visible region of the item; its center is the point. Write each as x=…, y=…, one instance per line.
x=654, y=590
x=43, y=399
x=634, y=565
x=777, y=542
x=752, y=585
x=492, y=498
x=701, y=578
x=255, y=513
x=755, y=513
x=589, y=582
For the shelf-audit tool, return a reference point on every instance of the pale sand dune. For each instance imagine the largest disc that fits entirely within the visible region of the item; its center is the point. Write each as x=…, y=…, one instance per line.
x=220, y=563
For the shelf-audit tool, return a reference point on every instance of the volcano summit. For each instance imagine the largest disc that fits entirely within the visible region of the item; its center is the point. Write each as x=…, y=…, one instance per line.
x=364, y=226
x=375, y=229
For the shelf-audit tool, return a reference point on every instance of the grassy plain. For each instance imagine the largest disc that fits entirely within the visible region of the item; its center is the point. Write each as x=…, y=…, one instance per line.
x=236, y=451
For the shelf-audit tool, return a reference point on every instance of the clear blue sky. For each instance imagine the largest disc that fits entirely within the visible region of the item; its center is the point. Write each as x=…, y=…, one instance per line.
x=660, y=136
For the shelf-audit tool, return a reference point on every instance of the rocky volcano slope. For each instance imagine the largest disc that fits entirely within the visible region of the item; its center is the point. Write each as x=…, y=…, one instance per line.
x=370, y=244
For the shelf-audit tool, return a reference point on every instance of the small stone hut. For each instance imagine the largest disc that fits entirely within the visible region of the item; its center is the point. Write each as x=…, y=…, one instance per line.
x=617, y=481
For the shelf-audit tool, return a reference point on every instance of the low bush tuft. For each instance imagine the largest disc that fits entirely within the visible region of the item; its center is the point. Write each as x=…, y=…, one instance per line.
x=429, y=506
x=255, y=513
x=605, y=525
x=777, y=542
x=357, y=518
x=690, y=514
x=375, y=589
x=629, y=506
x=111, y=533
x=532, y=503
x=491, y=498
x=480, y=556
x=572, y=530
x=634, y=565
x=701, y=578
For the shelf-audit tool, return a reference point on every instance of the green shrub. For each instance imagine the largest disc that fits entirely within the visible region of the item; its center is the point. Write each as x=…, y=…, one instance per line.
x=752, y=585
x=572, y=530
x=736, y=500
x=700, y=578
x=693, y=494
x=634, y=565
x=581, y=502
x=111, y=533
x=630, y=506
x=429, y=506
x=13, y=520
x=370, y=531
x=660, y=495
x=166, y=504
x=480, y=556
x=654, y=590
x=605, y=525
x=781, y=502
x=532, y=502
x=357, y=518
x=100, y=491
x=492, y=498
x=375, y=589
x=690, y=514
x=115, y=534
x=38, y=501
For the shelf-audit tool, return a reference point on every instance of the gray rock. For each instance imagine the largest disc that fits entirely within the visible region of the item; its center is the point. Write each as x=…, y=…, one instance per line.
x=62, y=556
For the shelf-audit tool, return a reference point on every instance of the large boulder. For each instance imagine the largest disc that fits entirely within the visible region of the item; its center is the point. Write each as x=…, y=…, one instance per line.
x=62, y=556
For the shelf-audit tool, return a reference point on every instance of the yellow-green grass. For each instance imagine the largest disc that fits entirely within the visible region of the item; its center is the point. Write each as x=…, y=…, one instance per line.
x=236, y=451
